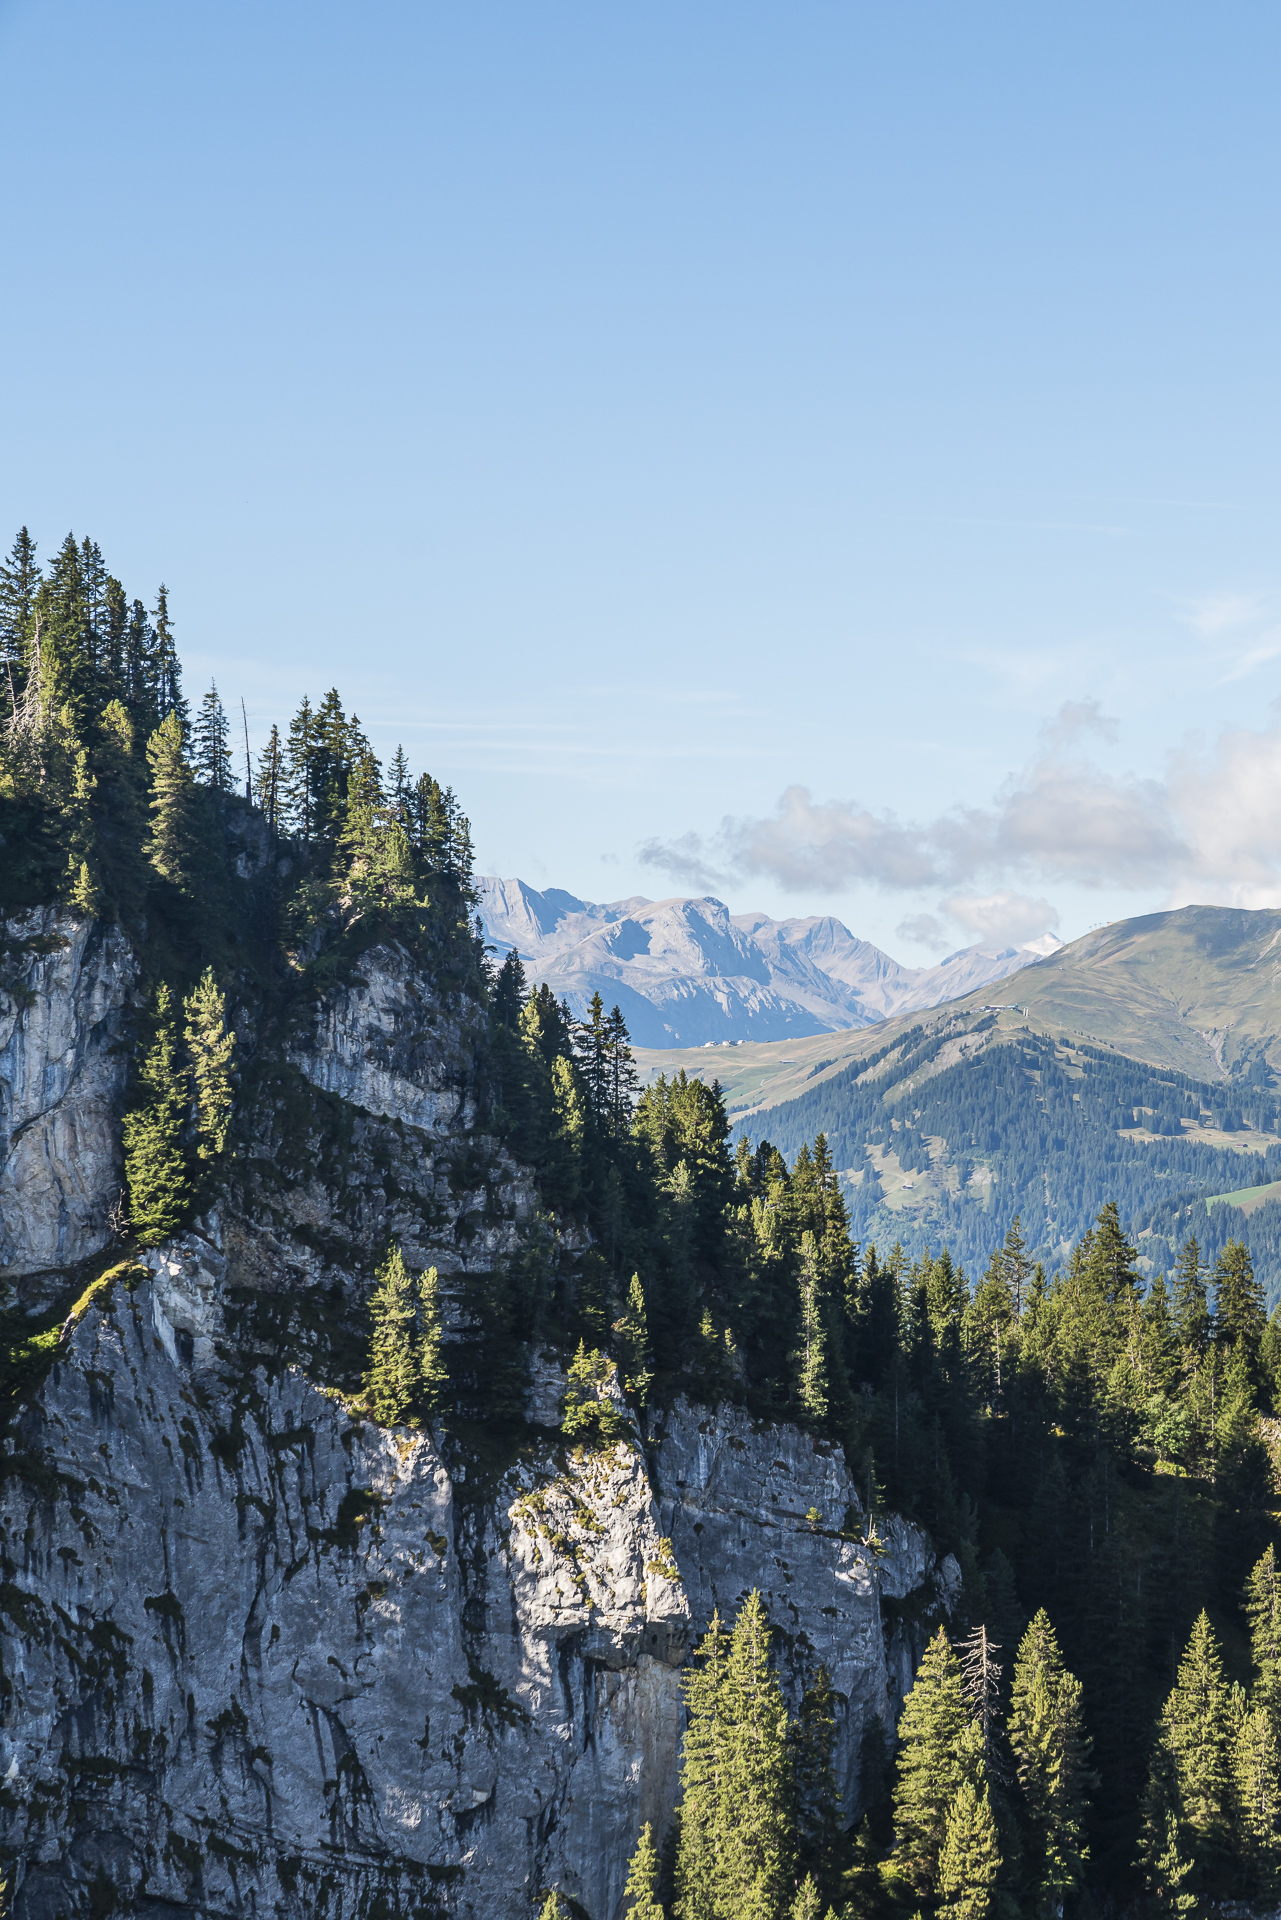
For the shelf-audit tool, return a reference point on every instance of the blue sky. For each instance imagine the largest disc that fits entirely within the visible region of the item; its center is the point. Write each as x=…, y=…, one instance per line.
x=647, y=414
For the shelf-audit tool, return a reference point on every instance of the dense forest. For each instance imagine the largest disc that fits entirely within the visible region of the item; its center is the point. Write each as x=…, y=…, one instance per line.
x=1096, y=1720
x=1041, y=1127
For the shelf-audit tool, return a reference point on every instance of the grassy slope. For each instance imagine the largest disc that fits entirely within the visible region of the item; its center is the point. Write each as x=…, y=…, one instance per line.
x=1196, y=990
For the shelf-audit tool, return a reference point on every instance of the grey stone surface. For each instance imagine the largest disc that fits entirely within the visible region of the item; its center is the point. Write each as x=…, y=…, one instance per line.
x=64, y=987
x=261, y=1657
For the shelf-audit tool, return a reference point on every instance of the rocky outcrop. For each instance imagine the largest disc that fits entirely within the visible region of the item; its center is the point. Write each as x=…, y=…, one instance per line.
x=64, y=987
x=262, y=1657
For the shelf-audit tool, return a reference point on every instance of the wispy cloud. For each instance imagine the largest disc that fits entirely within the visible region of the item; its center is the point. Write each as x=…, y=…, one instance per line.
x=1240, y=629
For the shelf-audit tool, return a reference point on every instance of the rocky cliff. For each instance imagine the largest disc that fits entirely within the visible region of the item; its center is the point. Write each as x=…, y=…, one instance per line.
x=263, y=1657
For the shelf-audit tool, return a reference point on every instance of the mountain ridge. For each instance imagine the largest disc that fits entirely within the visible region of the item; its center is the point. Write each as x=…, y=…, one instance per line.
x=687, y=972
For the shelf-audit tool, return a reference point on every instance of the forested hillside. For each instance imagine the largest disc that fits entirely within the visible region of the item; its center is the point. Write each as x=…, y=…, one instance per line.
x=1098, y=1709
x=950, y=1130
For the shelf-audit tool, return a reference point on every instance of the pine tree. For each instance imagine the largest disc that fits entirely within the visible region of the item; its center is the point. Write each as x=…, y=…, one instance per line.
x=210, y=1048
x=1257, y=1802
x=1191, y=1308
x=167, y=669
x=1051, y=1756
x=811, y=1357
x=1192, y=1762
x=209, y=740
x=270, y=784
x=820, y=1840
x=141, y=676
x=299, y=801
x=632, y=1332
x=19, y=585
x=642, y=1880
x=390, y=1379
x=754, y=1861
x=970, y=1858
x=173, y=845
x=931, y=1764
x=155, y=1164
x=808, y=1904
x=433, y=1374
x=981, y=1675
x=1263, y=1611
x=1240, y=1313
x=703, y=1813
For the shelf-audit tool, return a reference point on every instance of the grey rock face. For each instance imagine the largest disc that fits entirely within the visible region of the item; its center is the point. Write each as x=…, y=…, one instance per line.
x=63, y=991
x=261, y=1657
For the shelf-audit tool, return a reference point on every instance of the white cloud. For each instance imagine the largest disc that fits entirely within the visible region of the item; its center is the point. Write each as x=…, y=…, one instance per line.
x=1210, y=830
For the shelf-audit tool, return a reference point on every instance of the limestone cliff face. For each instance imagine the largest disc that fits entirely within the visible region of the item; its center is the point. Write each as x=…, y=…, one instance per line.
x=262, y=1657
x=64, y=986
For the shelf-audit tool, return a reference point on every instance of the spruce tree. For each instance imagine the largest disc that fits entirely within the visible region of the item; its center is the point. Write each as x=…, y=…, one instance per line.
x=390, y=1378
x=642, y=1880
x=632, y=1333
x=298, y=806
x=970, y=1859
x=704, y=1812
x=1240, y=1313
x=156, y=1175
x=1191, y=1302
x=19, y=584
x=553, y=1907
x=932, y=1762
x=1263, y=1611
x=433, y=1374
x=1257, y=1803
x=808, y=1904
x=173, y=846
x=1191, y=1771
x=269, y=785
x=210, y=1048
x=168, y=670
x=1051, y=1758
x=811, y=1356
x=209, y=742
x=755, y=1855
x=820, y=1839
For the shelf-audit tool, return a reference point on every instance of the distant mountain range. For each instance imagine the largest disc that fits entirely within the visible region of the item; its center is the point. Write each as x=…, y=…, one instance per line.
x=689, y=973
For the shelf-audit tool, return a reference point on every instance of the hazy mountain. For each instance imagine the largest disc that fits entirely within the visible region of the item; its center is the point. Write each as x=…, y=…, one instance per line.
x=687, y=972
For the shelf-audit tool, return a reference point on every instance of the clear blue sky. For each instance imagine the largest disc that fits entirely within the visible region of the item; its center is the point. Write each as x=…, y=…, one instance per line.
x=641, y=412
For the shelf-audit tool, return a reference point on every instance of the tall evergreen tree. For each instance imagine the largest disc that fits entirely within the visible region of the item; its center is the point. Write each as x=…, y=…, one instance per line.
x=971, y=1856
x=173, y=847
x=390, y=1379
x=820, y=1840
x=433, y=1374
x=168, y=668
x=811, y=1357
x=1191, y=1301
x=642, y=1880
x=1263, y=1611
x=704, y=1811
x=1240, y=1313
x=755, y=1855
x=1051, y=1758
x=1191, y=1771
x=270, y=784
x=210, y=1048
x=156, y=1172
x=19, y=585
x=932, y=1763
x=209, y=741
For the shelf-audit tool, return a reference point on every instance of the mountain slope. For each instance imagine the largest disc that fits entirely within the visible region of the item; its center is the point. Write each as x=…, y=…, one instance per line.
x=1136, y=1064
x=687, y=972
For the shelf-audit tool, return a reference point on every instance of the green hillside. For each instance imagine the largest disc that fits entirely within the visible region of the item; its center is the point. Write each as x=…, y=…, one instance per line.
x=1137, y=1064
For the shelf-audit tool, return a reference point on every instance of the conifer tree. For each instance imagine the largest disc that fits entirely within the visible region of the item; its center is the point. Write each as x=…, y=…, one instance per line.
x=755, y=1854
x=1240, y=1313
x=173, y=845
x=970, y=1859
x=642, y=1880
x=300, y=772
x=168, y=669
x=1051, y=1756
x=554, y=1908
x=390, y=1379
x=808, y=1904
x=1257, y=1801
x=981, y=1675
x=209, y=741
x=270, y=784
x=19, y=585
x=155, y=1164
x=932, y=1762
x=1263, y=1611
x=819, y=1835
x=811, y=1358
x=1191, y=1307
x=210, y=1048
x=704, y=1812
x=433, y=1374
x=1192, y=1762
x=632, y=1331
x=141, y=677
